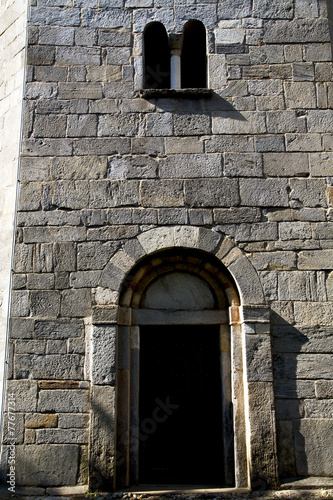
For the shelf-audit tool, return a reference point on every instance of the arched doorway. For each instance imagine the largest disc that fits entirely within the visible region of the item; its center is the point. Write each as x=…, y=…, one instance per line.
x=175, y=387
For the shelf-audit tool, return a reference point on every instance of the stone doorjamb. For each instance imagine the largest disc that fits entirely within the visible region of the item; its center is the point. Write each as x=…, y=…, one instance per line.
x=255, y=435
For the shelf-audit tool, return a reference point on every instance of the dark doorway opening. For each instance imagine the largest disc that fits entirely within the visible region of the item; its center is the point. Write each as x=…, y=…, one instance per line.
x=180, y=406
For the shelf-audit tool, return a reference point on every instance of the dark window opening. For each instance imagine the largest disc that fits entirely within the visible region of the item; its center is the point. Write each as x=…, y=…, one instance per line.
x=156, y=57
x=193, y=57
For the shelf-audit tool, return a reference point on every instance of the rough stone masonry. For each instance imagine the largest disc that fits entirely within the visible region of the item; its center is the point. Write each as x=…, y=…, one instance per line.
x=110, y=177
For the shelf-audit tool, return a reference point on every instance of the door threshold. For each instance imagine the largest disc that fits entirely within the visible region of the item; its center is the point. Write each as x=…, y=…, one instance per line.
x=158, y=489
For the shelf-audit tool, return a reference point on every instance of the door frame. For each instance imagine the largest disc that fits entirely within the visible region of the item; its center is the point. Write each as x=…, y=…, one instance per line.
x=219, y=260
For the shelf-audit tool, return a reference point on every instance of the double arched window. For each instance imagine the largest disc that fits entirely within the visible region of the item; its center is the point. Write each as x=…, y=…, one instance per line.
x=178, y=61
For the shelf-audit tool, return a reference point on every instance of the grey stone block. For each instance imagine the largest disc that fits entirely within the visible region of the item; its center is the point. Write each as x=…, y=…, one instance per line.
x=40, y=281
x=106, y=18
x=236, y=215
x=51, y=35
x=105, y=194
x=286, y=452
x=82, y=126
x=132, y=167
x=296, y=31
x=233, y=122
x=56, y=347
x=264, y=192
x=50, y=74
x=30, y=196
x=73, y=421
x=43, y=465
x=76, y=303
x=159, y=124
x=61, y=436
x=94, y=255
x=118, y=55
x=49, y=234
x=148, y=145
x=308, y=192
x=83, y=279
x=142, y=17
x=280, y=122
x=302, y=286
x=289, y=409
x=64, y=256
x=308, y=366
x=258, y=354
x=323, y=72
x=305, y=339
x=112, y=277
x=208, y=192
x=43, y=258
x=59, y=329
x=20, y=303
x=186, y=124
x=165, y=193
x=231, y=9
x=265, y=87
x=313, y=313
x=86, y=36
x=317, y=52
x=204, y=13
x=295, y=230
x=34, y=169
x=54, y=16
x=190, y=166
x=40, y=55
x=114, y=38
x=273, y=143
x=45, y=303
x=244, y=165
x=303, y=72
x=120, y=216
x=84, y=167
x=172, y=216
x=70, y=194
x=118, y=125
x=299, y=94
x=47, y=147
x=103, y=367
x=113, y=233
x=110, y=146
x=320, y=120
x=324, y=389
x=80, y=90
x=291, y=389
x=303, y=142
x=21, y=328
x=233, y=143
x=102, y=432
x=313, y=452
x=274, y=260
x=281, y=9
x=50, y=366
x=25, y=392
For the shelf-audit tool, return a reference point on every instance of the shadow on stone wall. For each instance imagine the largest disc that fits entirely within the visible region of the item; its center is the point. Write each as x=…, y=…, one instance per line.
x=288, y=343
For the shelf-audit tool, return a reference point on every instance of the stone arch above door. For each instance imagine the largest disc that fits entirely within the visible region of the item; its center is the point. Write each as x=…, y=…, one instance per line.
x=227, y=269
x=207, y=240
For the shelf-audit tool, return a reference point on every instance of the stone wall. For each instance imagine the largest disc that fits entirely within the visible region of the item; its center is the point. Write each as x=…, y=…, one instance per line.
x=101, y=165
x=13, y=16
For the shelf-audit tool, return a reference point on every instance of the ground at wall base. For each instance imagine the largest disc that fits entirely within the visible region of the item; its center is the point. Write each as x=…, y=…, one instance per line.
x=65, y=494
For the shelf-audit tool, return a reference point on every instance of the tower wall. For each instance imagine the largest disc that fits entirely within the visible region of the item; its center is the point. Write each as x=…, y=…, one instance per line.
x=103, y=163
x=13, y=15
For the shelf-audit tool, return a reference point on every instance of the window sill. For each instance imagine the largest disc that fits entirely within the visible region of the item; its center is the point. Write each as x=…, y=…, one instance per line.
x=175, y=93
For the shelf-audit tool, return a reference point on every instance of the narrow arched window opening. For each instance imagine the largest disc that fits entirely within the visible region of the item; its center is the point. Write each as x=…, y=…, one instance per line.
x=193, y=56
x=156, y=57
